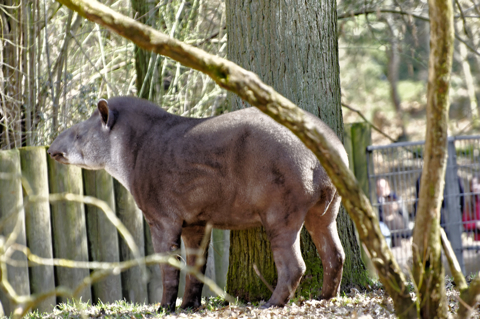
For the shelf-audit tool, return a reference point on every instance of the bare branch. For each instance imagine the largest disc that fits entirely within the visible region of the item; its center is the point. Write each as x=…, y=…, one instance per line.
x=367, y=121
x=453, y=262
x=370, y=11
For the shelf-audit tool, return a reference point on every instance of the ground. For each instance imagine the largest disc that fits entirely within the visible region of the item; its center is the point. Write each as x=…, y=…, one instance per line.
x=355, y=304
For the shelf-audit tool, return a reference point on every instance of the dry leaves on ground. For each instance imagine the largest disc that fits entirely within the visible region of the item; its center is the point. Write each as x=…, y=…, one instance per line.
x=356, y=304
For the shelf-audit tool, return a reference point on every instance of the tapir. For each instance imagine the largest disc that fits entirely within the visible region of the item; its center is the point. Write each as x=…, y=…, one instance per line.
x=234, y=171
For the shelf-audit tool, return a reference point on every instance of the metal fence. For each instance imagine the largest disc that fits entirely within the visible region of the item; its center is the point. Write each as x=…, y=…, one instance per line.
x=394, y=173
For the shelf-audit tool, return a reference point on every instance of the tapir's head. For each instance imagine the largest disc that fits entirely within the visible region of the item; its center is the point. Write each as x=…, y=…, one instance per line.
x=86, y=144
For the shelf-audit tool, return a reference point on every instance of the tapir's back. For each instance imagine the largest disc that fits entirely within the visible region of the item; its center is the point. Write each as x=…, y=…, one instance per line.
x=228, y=168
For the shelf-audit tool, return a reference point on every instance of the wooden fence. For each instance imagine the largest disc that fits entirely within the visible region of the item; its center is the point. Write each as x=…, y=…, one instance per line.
x=74, y=231
x=79, y=232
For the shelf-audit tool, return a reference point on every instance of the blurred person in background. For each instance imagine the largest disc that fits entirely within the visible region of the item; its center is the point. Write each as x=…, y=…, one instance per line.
x=392, y=212
x=471, y=214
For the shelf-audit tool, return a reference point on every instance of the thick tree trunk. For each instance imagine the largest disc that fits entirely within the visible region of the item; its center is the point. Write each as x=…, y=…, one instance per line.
x=292, y=47
x=143, y=12
x=428, y=272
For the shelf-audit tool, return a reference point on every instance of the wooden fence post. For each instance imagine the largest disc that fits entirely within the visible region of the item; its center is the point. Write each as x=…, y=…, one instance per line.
x=347, y=143
x=102, y=234
x=37, y=222
x=357, y=136
x=11, y=204
x=69, y=227
x=361, y=138
x=155, y=285
x=134, y=287
x=221, y=247
x=210, y=269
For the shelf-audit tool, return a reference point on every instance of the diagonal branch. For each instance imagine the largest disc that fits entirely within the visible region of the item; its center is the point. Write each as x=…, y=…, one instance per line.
x=367, y=121
x=376, y=11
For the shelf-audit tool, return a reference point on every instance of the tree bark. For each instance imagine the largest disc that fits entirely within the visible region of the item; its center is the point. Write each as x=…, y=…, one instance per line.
x=393, y=70
x=144, y=59
x=292, y=47
x=249, y=87
x=428, y=272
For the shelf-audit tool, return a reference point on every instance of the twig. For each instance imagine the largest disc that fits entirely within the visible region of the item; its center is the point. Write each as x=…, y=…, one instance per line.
x=453, y=262
x=151, y=11
x=49, y=66
x=93, y=65
x=200, y=260
x=214, y=35
x=463, y=18
x=371, y=124
x=369, y=11
x=467, y=44
x=261, y=278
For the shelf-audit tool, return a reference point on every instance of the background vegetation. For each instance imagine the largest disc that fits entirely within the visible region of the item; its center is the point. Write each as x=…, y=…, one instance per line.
x=19, y=122
x=56, y=65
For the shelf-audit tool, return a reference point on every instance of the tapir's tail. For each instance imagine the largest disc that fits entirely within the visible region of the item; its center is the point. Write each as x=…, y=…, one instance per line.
x=327, y=200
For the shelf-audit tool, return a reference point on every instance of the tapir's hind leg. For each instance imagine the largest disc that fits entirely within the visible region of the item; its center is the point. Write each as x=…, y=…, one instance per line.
x=321, y=224
x=192, y=238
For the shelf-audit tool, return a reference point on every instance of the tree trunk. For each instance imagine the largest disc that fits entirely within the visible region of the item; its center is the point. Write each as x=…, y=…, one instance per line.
x=143, y=12
x=393, y=69
x=428, y=272
x=292, y=47
x=468, y=79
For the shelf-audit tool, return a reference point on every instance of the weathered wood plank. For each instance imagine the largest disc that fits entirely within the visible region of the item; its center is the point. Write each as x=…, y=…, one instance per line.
x=210, y=270
x=102, y=235
x=37, y=222
x=11, y=204
x=347, y=142
x=361, y=138
x=155, y=286
x=134, y=289
x=221, y=247
x=69, y=227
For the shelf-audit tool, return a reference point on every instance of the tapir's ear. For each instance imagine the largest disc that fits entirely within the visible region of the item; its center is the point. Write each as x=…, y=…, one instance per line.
x=108, y=117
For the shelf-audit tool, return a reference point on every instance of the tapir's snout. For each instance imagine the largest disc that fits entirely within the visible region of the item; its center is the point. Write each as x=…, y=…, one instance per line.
x=57, y=152
x=54, y=154
x=57, y=155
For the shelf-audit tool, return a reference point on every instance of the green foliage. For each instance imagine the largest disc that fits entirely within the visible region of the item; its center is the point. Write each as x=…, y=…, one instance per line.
x=120, y=309
x=366, y=43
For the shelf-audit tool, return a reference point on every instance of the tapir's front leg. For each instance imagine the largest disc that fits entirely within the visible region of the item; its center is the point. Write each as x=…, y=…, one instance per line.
x=166, y=238
x=192, y=238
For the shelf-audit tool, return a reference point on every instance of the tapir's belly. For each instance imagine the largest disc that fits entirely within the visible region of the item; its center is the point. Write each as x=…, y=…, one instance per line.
x=241, y=206
x=224, y=212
